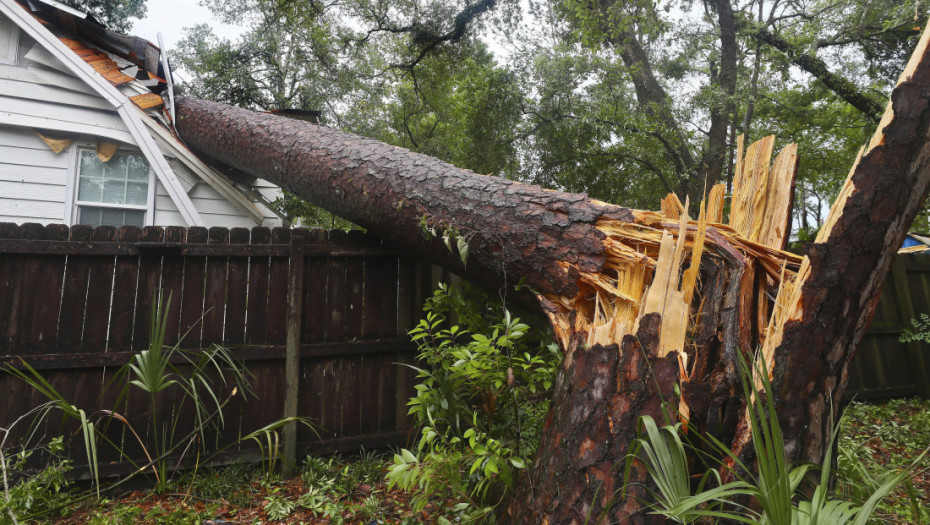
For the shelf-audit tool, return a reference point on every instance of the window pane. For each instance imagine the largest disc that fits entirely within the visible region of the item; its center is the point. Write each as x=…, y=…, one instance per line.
x=137, y=193
x=114, y=191
x=133, y=218
x=107, y=182
x=110, y=217
x=90, y=189
x=138, y=168
x=89, y=216
x=90, y=164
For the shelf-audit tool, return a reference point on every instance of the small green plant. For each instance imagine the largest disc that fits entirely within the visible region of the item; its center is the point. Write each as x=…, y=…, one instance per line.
x=919, y=330
x=870, y=453
x=479, y=402
x=315, y=500
x=279, y=508
x=155, y=372
x=37, y=493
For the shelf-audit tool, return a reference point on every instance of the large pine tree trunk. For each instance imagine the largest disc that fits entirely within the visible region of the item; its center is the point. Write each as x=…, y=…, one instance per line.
x=585, y=263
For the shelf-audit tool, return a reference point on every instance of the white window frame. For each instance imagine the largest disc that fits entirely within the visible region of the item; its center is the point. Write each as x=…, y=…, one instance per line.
x=13, y=37
x=72, y=203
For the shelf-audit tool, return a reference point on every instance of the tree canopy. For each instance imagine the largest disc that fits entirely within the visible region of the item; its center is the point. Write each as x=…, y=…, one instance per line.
x=624, y=100
x=114, y=14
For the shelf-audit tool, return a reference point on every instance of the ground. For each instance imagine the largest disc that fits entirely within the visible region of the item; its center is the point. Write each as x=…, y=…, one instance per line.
x=351, y=489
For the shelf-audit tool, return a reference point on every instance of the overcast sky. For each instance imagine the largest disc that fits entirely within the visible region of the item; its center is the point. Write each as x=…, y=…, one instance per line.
x=170, y=17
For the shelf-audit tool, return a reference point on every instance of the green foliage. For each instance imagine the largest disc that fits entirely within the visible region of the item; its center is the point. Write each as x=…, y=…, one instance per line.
x=310, y=216
x=919, y=330
x=114, y=14
x=46, y=492
x=774, y=488
x=279, y=508
x=334, y=473
x=479, y=402
x=612, y=99
x=171, y=379
x=879, y=440
x=153, y=372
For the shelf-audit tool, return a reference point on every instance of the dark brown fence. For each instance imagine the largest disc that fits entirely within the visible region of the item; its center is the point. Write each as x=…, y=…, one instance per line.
x=883, y=366
x=76, y=303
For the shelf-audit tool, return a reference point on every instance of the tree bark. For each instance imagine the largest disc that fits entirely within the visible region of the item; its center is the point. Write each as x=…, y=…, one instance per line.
x=515, y=231
x=849, y=263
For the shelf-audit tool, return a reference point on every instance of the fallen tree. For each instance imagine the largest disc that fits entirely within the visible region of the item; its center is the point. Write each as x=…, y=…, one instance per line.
x=643, y=303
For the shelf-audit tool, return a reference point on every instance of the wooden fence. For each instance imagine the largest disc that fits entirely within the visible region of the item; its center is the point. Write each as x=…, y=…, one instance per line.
x=884, y=367
x=76, y=303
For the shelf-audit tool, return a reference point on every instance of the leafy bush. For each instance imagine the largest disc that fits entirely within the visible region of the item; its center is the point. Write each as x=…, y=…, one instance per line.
x=919, y=331
x=36, y=493
x=480, y=401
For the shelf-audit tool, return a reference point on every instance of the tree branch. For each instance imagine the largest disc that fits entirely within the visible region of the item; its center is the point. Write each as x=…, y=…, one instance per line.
x=816, y=67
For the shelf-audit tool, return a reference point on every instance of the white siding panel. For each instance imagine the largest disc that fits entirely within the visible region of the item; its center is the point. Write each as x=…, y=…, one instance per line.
x=46, y=115
x=9, y=37
x=169, y=218
x=166, y=213
x=216, y=210
x=32, y=174
x=32, y=178
x=21, y=156
x=20, y=137
x=41, y=75
x=34, y=192
x=43, y=92
x=226, y=221
x=21, y=211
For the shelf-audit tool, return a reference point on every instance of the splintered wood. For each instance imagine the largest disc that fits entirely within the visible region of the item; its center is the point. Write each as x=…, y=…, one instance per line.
x=653, y=265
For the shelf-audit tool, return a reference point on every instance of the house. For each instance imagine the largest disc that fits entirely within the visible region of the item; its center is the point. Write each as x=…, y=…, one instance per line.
x=86, y=134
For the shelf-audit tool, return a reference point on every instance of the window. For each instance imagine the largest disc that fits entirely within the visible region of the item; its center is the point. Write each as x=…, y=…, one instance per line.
x=112, y=193
x=9, y=37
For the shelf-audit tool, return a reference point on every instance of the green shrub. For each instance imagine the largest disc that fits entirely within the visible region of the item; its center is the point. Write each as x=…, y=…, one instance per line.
x=480, y=401
x=36, y=493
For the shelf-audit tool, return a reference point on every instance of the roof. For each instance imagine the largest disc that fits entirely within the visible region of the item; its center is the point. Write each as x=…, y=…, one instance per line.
x=131, y=74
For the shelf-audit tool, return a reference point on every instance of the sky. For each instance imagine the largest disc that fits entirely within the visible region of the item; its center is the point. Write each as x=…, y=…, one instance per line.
x=170, y=17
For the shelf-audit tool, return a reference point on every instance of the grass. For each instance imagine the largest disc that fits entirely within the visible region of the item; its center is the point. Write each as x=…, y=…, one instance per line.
x=879, y=437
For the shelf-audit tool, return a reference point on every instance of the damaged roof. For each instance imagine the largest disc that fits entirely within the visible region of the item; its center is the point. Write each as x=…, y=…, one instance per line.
x=133, y=76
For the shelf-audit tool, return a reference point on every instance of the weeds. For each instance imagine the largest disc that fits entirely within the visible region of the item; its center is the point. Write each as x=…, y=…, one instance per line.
x=877, y=440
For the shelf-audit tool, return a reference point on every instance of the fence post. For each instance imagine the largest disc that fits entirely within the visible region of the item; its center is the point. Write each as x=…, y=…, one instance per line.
x=292, y=357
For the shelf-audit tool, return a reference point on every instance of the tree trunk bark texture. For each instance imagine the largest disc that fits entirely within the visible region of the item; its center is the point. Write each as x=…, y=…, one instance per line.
x=602, y=273
x=513, y=230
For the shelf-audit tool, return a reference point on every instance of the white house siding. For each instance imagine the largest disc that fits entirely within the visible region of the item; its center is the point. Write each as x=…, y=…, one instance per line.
x=32, y=178
x=214, y=209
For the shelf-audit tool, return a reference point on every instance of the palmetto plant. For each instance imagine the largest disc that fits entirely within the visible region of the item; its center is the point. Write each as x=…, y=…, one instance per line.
x=205, y=380
x=159, y=369
x=774, y=488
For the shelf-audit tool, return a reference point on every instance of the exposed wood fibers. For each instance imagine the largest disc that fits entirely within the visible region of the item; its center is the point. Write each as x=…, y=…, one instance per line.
x=645, y=272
